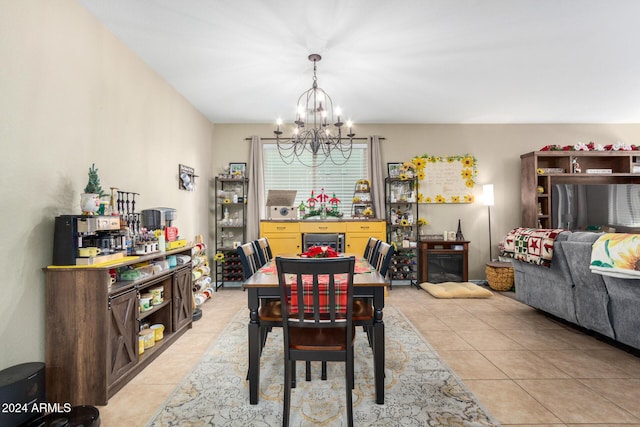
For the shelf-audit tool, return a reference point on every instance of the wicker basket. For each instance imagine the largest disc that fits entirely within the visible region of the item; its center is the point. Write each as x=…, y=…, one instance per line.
x=499, y=276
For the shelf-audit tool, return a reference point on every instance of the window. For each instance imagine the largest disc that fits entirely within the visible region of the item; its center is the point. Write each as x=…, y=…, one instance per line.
x=338, y=180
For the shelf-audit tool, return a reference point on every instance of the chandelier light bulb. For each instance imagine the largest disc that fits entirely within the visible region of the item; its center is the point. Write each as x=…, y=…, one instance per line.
x=301, y=112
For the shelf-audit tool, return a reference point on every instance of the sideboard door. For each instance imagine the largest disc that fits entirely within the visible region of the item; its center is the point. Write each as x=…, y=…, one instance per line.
x=182, y=298
x=123, y=334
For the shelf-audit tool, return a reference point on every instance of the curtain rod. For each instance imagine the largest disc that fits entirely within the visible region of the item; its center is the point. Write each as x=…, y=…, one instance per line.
x=273, y=139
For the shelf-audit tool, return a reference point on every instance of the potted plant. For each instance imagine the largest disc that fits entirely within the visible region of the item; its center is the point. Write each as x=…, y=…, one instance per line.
x=90, y=199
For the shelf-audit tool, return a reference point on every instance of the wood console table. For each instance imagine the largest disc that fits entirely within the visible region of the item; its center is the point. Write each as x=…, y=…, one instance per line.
x=443, y=260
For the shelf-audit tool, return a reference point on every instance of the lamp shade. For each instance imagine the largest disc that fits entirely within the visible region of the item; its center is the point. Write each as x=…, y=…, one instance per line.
x=487, y=194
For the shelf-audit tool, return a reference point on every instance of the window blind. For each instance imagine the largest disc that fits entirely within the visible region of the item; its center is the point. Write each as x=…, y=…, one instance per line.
x=338, y=180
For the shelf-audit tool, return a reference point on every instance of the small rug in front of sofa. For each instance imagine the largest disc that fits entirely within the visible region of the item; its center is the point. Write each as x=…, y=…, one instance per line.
x=456, y=290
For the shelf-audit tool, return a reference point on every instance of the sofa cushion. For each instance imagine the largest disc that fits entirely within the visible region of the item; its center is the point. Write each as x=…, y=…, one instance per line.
x=624, y=309
x=590, y=294
x=584, y=236
x=549, y=289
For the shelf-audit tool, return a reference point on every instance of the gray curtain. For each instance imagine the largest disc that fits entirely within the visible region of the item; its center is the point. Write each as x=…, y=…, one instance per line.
x=255, y=202
x=377, y=176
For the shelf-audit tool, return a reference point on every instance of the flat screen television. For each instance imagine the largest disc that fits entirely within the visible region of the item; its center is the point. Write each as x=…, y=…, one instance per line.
x=589, y=206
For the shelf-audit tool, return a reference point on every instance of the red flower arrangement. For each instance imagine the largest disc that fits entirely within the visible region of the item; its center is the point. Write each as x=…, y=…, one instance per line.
x=320, y=252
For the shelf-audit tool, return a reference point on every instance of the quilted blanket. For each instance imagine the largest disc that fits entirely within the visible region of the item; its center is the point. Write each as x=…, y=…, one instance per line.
x=532, y=245
x=616, y=255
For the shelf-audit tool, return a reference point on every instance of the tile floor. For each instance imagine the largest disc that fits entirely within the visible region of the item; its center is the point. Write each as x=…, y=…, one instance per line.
x=526, y=368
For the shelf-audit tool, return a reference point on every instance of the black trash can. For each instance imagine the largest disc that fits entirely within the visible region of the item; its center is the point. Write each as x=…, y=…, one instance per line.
x=78, y=416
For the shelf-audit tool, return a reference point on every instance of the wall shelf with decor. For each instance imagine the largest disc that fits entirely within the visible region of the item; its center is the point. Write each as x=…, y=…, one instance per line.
x=231, y=228
x=401, y=208
x=362, y=202
x=543, y=173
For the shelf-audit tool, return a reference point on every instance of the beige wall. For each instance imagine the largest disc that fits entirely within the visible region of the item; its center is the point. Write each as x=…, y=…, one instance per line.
x=72, y=95
x=497, y=149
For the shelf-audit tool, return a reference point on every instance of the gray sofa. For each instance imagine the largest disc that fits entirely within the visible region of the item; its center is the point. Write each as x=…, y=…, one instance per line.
x=569, y=290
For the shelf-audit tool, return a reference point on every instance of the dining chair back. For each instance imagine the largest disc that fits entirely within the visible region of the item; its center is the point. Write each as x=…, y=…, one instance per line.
x=383, y=257
x=321, y=239
x=316, y=298
x=264, y=250
x=249, y=259
x=371, y=249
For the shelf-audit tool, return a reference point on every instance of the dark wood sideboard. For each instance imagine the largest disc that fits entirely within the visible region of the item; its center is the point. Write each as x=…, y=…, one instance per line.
x=92, y=326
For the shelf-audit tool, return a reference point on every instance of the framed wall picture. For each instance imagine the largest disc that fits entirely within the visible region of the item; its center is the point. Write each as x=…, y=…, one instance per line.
x=394, y=169
x=446, y=179
x=237, y=170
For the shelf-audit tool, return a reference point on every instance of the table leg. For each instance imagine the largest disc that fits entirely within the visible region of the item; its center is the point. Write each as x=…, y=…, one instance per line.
x=378, y=344
x=254, y=347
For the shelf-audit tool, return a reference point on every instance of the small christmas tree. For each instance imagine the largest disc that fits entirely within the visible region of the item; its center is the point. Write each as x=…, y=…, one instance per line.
x=93, y=186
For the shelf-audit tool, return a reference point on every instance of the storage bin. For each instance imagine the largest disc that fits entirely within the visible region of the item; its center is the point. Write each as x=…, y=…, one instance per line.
x=499, y=276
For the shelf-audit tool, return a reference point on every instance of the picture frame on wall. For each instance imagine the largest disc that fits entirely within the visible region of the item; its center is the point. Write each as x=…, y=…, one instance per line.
x=394, y=169
x=237, y=170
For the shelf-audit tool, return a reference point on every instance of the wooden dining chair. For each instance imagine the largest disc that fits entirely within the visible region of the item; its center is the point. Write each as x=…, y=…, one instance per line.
x=371, y=248
x=316, y=297
x=249, y=259
x=321, y=239
x=382, y=257
x=264, y=250
x=363, y=307
x=269, y=312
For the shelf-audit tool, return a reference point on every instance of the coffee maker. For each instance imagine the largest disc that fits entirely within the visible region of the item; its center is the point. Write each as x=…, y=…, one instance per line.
x=75, y=234
x=158, y=218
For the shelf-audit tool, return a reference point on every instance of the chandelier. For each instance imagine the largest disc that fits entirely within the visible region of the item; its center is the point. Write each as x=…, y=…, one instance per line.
x=315, y=130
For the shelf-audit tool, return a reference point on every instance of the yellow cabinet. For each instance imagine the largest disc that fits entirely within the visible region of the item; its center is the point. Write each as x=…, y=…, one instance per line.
x=322, y=227
x=284, y=237
x=358, y=234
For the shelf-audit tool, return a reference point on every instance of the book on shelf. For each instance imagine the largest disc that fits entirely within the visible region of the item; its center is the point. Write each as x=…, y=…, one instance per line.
x=552, y=170
x=596, y=171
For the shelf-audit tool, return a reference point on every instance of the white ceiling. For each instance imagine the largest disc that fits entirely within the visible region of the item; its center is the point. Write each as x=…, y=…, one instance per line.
x=401, y=61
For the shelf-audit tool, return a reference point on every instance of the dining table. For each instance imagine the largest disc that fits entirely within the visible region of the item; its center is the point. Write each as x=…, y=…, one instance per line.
x=367, y=283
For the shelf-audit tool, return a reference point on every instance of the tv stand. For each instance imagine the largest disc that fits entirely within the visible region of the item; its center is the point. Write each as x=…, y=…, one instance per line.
x=542, y=169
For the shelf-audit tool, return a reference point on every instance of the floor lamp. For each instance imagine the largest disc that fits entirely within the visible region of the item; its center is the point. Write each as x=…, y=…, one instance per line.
x=487, y=198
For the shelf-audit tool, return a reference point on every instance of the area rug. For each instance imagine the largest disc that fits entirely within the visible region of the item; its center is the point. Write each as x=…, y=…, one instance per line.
x=456, y=290
x=420, y=390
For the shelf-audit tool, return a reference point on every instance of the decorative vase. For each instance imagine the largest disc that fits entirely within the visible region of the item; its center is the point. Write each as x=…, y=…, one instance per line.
x=459, y=235
x=89, y=203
